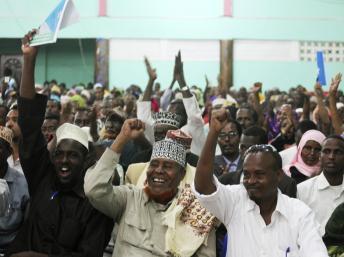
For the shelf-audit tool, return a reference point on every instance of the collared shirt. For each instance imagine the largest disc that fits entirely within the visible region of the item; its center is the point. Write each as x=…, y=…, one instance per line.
x=15, y=164
x=231, y=166
x=321, y=197
x=141, y=230
x=19, y=197
x=292, y=232
x=222, y=165
x=60, y=222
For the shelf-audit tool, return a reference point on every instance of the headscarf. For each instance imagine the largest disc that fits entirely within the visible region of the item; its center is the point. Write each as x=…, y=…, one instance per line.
x=297, y=161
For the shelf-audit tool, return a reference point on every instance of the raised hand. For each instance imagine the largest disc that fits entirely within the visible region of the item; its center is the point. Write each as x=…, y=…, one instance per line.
x=318, y=90
x=29, y=51
x=178, y=73
x=287, y=126
x=27, y=84
x=219, y=119
x=93, y=114
x=151, y=72
x=257, y=87
x=132, y=128
x=334, y=84
x=207, y=83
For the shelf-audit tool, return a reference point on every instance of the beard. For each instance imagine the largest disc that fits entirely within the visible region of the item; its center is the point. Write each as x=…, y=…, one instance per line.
x=162, y=198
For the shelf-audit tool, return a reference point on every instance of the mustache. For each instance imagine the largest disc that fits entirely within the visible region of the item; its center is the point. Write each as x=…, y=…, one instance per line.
x=162, y=198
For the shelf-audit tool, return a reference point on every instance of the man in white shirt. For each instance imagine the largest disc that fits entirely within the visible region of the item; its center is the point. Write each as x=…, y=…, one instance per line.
x=323, y=193
x=256, y=214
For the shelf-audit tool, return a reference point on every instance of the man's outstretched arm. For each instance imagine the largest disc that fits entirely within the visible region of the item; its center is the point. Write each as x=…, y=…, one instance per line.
x=111, y=200
x=204, y=172
x=27, y=87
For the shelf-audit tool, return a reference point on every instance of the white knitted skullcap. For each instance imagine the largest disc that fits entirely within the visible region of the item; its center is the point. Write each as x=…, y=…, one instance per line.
x=71, y=131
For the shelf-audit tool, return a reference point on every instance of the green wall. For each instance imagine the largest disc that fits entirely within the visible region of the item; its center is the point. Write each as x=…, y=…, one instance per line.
x=125, y=73
x=281, y=74
x=62, y=61
x=314, y=20
x=273, y=74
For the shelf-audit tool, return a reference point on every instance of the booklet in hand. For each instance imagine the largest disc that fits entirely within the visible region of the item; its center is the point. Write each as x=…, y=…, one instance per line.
x=62, y=16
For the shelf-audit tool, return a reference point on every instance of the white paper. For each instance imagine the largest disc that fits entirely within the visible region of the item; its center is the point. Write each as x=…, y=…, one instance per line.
x=63, y=15
x=70, y=15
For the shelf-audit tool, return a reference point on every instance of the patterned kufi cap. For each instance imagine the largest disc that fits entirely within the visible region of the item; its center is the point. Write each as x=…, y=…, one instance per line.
x=170, y=150
x=6, y=134
x=167, y=118
x=180, y=137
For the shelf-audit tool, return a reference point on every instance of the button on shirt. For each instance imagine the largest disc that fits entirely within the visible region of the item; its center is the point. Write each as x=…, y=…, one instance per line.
x=321, y=197
x=293, y=231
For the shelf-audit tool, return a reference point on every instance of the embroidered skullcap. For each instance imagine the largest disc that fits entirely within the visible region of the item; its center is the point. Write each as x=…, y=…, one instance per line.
x=71, y=131
x=170, y=150
x=6, y=134
x=167, y=118
x=180, y=137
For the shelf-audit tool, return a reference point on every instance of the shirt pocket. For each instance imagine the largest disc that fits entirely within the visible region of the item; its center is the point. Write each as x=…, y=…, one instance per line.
x=135, y=230
x=291, y=252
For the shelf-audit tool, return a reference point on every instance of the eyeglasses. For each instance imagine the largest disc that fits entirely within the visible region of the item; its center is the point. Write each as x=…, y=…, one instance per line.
x=230, y=134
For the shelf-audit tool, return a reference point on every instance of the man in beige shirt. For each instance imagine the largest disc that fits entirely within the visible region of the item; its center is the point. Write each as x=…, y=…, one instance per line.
x=163, y=218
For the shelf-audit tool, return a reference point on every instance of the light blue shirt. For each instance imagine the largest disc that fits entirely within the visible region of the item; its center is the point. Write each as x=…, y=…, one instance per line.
x=19, y=197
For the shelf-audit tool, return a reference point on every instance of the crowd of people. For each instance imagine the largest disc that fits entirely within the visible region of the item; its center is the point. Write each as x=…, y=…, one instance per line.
x=85, y=171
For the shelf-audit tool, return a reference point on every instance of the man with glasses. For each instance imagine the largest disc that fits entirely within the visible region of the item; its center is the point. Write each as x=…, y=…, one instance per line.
x=228, y=141
x=257, y=213
x=323, y=193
